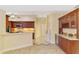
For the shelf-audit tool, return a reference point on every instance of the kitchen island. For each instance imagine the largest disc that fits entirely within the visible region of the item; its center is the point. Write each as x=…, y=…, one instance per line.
x=11, y=41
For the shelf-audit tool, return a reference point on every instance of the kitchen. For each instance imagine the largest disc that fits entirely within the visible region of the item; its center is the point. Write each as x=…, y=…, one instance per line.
x=34, y=28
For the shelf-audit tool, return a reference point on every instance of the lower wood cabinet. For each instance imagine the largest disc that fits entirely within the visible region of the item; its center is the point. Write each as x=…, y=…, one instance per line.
x=69, y=46
x=64, y=44
x=75, y=46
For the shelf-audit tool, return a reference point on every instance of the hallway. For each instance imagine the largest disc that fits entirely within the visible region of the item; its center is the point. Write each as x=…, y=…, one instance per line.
x=37, y=49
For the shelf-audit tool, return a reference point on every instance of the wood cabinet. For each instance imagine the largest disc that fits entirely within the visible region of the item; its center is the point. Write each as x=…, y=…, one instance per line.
x=25, y=24
x=64, y=44
x=64, y=22
x=70, y=20
x=73, y=19
x=7, y=23
x=69, y=46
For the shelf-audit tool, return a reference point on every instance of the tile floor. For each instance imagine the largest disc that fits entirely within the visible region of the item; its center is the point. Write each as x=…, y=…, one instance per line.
x=37, y=49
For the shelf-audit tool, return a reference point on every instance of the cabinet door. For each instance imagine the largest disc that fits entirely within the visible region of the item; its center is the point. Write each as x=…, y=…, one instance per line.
x=65, y=22
x=75, y=47
x=64, y=44
x=60, y=26
x=73, y=20
x=59, y=41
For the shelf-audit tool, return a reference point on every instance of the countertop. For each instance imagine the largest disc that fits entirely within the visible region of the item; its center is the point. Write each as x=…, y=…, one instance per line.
x=3, y=34
x=67, y=37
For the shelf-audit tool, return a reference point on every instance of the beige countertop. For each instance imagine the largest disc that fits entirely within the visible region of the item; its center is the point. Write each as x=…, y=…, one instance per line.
x=5, y=34
x=67, y=37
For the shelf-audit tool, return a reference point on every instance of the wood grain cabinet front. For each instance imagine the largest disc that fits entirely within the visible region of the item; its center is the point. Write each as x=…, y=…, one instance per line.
x=73, y=19
x=69, y=46
x=64, y=44
x=74, y=47
x=69, y=20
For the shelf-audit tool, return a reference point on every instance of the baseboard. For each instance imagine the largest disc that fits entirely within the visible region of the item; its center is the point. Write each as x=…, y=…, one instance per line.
x=5, y=50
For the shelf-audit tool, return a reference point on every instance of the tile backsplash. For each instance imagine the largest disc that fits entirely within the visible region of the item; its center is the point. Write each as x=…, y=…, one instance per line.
x=69, y=30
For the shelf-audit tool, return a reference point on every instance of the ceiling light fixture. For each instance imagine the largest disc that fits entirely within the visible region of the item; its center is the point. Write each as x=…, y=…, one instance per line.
x=12, y=16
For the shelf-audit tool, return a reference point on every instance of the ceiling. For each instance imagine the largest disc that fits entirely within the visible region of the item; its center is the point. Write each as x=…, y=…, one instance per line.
x=35, y=9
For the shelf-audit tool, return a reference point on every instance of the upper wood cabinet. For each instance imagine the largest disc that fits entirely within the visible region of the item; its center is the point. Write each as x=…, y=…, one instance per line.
x=64, y=22
x=73, y=18
x=70, y=20
x=20, y=24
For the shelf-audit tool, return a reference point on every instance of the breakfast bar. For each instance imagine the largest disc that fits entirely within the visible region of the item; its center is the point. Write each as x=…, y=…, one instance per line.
x=11, y=41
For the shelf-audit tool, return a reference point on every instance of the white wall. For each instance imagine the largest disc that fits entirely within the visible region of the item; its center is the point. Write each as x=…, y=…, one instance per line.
x=46, y=28
x=22, y=18
x=53, y=25
x=40, y=30
x=2, y=27
x=2, y=22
